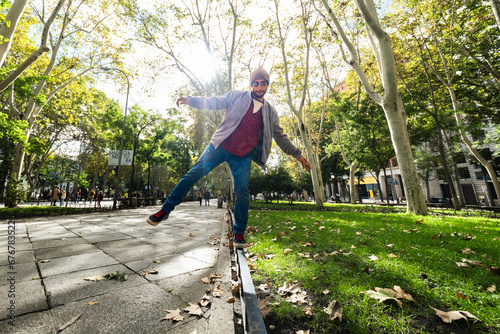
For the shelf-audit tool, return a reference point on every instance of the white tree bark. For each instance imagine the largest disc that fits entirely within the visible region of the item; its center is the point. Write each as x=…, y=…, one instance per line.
x=7, y=30
x=390, y=101
x=35, y=55
x=298, y=111
x=495, y=7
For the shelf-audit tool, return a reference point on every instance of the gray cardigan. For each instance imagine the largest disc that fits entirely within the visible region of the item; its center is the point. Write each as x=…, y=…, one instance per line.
x=236, y=104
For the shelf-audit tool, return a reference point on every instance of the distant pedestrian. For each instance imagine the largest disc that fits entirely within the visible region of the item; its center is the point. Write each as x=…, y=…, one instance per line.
x=62, y=197
x=207, y=197
x=91, y=195
x=100, y=196
x=85, y=194
x=55, y=196
x=200, y=195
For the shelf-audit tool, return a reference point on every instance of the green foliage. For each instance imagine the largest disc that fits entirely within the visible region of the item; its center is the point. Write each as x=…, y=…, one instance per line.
x=12, y=130
x=331, y=251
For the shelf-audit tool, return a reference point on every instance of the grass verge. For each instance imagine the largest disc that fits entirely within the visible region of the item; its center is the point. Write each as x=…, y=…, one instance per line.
x=332, y=255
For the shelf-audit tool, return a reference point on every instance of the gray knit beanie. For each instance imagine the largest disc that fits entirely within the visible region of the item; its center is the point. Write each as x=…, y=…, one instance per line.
x=259, y=74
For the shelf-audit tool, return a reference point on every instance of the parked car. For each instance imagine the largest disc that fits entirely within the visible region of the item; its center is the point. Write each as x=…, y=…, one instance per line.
x=440, y=200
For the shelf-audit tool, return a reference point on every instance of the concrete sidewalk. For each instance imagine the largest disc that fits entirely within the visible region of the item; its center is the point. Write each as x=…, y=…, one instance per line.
x=54, y=255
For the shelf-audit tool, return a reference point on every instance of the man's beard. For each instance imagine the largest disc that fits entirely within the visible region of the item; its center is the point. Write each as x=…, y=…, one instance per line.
x=255, y=96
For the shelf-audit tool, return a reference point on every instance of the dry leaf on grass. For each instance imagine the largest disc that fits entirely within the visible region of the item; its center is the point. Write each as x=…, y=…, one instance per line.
x=290, y=288
x=462, y=265
x=307, y=312
x=193, y=309
x=492, y=288
x=394, y=294
x=495, y=270
x=325, y=292
x=367, y=270
x=264, y=307
x=392, y=255
x=448, y=317
x=318, y=257
x=302, y=332
x=473, y=262
x=174, y=315
x=373, y=258
x=334, y=309
x=467, y=251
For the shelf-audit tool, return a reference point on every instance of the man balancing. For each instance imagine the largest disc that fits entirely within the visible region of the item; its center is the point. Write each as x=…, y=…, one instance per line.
x=245, y=134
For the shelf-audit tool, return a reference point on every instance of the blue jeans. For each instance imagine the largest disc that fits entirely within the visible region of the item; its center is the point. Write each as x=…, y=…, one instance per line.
x=211, y=158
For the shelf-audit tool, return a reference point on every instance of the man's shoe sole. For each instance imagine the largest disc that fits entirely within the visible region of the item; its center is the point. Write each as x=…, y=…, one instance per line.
x=152, y=223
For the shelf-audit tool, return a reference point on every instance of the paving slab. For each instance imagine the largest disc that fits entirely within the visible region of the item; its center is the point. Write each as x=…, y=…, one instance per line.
x=29, y=297
x=48, y=253
x=33, y=323
x=182, y=250
x=73, y=286
x=133, y=310
x=26, y=271
x=19, y=256
x=68, y=264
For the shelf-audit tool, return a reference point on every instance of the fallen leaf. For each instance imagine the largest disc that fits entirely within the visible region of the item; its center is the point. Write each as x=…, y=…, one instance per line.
x=392, y=255
x=459, y=295
x=157, y=261
x=317, y=257
x=448, y=317
x=382, y=295
x=287, y=251
x=373, y=258
x=467, y=251
x=53, y=244
x=211, y=278
x=96, y=278
x=302, y=332
x=495, y=270
x=45, y=261
x=306, y=255
x=367, y=270
x=174, y=315
x=334, y=309
x=399, y=293
x=264, y=307
x=307, y=312
x=235, y=288
x=193, y=234
x=193, y=309
x=462, y=265
x=290, y=288
x=492, y=288
x=325, y=292
x=218, y=292
x=205, y=301
x=423, y=275
x=93, y=303
x=389, y=246
x=231, y=299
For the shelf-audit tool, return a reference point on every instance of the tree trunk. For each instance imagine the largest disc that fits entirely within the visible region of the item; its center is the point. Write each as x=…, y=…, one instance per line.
x=7, y=30
x=495, y=7
x=352, y=181
x=390, y=102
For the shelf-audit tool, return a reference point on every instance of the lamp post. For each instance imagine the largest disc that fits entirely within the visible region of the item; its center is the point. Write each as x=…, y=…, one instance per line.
x=123, y=133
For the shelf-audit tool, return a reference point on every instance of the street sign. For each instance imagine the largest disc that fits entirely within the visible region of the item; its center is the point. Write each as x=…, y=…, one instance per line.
x=126, y=157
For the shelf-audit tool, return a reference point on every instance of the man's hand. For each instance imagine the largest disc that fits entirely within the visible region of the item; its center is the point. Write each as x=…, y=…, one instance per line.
x=305, y=163
x=182, y=100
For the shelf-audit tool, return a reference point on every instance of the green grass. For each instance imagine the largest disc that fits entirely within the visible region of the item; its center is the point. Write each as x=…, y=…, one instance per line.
x=425, y=267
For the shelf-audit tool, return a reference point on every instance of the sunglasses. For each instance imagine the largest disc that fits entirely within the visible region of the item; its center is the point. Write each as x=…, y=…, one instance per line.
x=262, y=84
